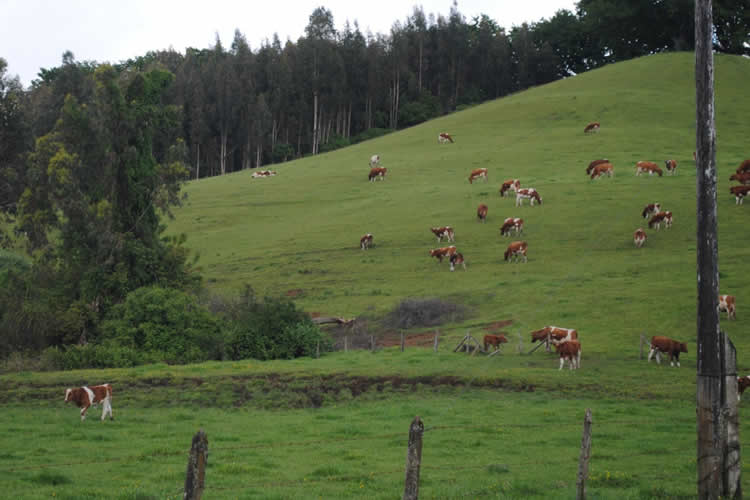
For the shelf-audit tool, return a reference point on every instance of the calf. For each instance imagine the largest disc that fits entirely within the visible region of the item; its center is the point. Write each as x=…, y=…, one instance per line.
x=656, y=220
x=456, y=259
x=728, y=304
x=478, y=173
x=510, y=185
x=739, y=193
x=443, y=232
x=516, y=250
x=594, y=164
x=530, y=194
x=375, y=161
x=647, y=166
x=512, y=224
x=85, y=397
x=494, y=340
x=742, y=384
x=671, y=166
x=439, y=253
x=444, y=137
x=651, y=209
x=744, y=167
x=570, y=350
x=742, y=178
x=639, y=237
x=665, y=345
x=591, y=127
x=602, y=169
x=482, y=212
x=377, y=173
x=365, y=241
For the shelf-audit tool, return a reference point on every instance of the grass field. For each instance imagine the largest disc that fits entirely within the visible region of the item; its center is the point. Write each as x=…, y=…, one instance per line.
x=502, y=427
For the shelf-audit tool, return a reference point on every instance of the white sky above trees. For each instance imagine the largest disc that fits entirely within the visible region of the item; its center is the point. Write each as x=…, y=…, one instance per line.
x=35, y=33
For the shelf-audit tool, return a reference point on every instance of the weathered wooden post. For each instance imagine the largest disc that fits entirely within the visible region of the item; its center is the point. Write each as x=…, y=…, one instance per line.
x=196, y=467
x=317, y=349
x=437, y=334
x=583, y=461
x=402, y=341
x=640, y=347
x=372, y=343
x=718, y=454
x=546, y=344
x=346, y=343
x=413, y=460
x=520, y=344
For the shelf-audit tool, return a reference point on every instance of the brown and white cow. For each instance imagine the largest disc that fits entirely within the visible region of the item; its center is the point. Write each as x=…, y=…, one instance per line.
x=665, y=345
x=365, y=241
x=651, y=209
x=443, y=232
x=377, y=173
x=602, y=169
x=478, y=173
x=510, y=185
x=516, y=250
x=375, y=161
x=594, y=164
x=639, y=237
x=494, y=340
x=728, y=304
x=739, y=193
x=457, y=259
x=444, y=137
x=647, y=166
x=656, y=220
x=512, y=224
x=85, y=397
x=555, y=334
x=671, y=166
x=439, y=253
x=591, y=127
x=742, y=384
x=744, y=167
x=530, y=194
x=482, y=212
x=263, y=173
x=569, y=350
x=742, y=178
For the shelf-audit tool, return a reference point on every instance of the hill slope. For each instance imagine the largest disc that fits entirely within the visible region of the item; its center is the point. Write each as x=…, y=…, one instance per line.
x=299, y=231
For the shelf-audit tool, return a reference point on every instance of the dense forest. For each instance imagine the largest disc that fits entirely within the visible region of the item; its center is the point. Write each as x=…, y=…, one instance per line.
x=91, y=154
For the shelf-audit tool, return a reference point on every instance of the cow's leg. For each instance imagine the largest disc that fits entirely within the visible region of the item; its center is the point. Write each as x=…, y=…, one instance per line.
x=650, y=354
x=562, y=362
x=83, y=411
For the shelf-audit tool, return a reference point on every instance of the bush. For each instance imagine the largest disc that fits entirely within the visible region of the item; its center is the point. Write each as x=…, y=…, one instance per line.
x=423, y=312
x=370, y=133
x=334, y=142
x=106, y=355
x=421, y=110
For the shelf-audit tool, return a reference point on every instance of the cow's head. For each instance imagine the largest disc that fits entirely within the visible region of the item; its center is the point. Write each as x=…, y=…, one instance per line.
x=68, y=395
x=539, y=334
x=683, y=347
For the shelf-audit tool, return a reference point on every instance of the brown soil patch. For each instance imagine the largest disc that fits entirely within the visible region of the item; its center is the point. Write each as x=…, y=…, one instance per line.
x=497, y=325
x=295, y=292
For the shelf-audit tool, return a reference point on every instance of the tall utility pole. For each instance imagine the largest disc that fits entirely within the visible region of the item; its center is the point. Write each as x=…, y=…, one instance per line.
x=718, y=439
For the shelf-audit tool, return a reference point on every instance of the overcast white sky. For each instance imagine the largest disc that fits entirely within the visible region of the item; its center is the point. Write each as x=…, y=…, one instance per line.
x=35, y=33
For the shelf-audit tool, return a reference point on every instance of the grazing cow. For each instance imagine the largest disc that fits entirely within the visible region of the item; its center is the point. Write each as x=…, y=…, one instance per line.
x=494, y=340
x=365, y=241
x=656, y=220
x=457, y=259
x=665, y=345
x=478, y=173
x=591, y=127
x=570, y=350
x=443, y=232
x=594, y=164
x=739, y=193
x=512, y=184
x=482, y=212
x=639, y=237
x=444, y=137
x=512, y=224
x=439, y=253
x=85, y=397
x=651, y=209
x=742, y=384
x=744, y=167
x=728, y=304
x=671, y=166
x=263, y=173
x=602, y=169
x=530, y=194
x=556, y=334
x=647, y=166
x=375, y=161
x=377, y=173
x=742, y=178
x=516, y=250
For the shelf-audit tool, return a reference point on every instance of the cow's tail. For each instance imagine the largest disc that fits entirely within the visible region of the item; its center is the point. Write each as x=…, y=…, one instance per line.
x=109, y=391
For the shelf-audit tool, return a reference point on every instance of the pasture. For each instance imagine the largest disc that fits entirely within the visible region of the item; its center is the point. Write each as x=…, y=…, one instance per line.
x=508, y=426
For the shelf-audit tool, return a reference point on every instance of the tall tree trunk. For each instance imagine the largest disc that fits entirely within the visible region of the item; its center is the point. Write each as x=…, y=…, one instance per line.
x=198, y=162
x=419, y=80
x=315, y=123
x=224, y=137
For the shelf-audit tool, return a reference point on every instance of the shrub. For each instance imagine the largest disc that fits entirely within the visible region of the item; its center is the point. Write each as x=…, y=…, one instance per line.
x=106, y=355
x=423, y=312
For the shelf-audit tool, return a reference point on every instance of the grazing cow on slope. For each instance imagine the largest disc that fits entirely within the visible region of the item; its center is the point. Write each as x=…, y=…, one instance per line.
x=743, y=178
x=263, y=173
x=591, y=127
x=555, y=334
x=656, y=220
x=744, y=167
x=510, y=185
x=85, y=397
x=365, y=241
x=375, y=161
x=671, y=166
x=478, y=173
x=647, y=166
x=665, y=345
x=512, y=224
x=516, y=250
x=651, y=209
x=439, y=253
x=594, y=164
x=494, y=340
x=482, y=212
x=728, y=304
x=742, y=384
x=377, y=173
x=639, y=237
x=602, y=169
x=739, y=193
x=570, y=350
x=457, y=259
x=444, y=137
x=443, y=232
x=530, y=194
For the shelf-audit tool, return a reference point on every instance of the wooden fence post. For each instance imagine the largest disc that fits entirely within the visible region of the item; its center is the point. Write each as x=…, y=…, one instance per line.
x=583, y=461
x=372, y=343
x=317, y=349
x=402, y=341
x=413, y=460
x=643, y=339
x=437, y=334
x=346, y=343
x=196, y=467
x=520, y=344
